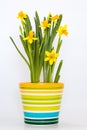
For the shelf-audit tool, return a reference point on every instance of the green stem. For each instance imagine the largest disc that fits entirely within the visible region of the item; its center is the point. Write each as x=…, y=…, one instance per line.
x=36, y=62
x=49, y=74
x=46, y=46
x=44, y=72
x=31, y=64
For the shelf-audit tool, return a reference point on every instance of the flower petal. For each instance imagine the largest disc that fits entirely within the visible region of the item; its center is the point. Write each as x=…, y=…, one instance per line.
x=49, y=25
x=47, y=53
x=26, y=38
x=51, y=61
x=65, y=26
x=54, y=60
x=52, y=52
x=30, y=40
x=35, y=38
x=46, y=59
x=56, y=55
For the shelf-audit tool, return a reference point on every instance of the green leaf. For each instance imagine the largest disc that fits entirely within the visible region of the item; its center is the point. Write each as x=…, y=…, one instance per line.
x=31, y=64
x=49, y=74
x=38, y=24
x=25, y=46
x=58, y=72
x=20, y=52
x=20, y=28
x=59, y=45
x=28, y=24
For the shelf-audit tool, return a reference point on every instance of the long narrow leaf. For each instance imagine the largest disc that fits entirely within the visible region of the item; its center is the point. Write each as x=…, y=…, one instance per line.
x=36, y=51
x=59, y=45
x=24, y=43
x=49, y=76
x=38, y=24
x=28, y=24
x=58, y=72
x=20, y=52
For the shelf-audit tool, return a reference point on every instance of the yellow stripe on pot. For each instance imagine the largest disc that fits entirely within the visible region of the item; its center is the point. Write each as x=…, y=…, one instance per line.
x=46, y=108
x=41, y=97
x=41, y=90
x=41, y=85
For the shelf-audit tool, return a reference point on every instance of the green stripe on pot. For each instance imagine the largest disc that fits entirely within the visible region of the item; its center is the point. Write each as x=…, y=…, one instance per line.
x=41, y=122
x=41, y=97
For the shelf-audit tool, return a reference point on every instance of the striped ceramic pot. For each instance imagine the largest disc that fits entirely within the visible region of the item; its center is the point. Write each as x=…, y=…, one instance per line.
x=41, y=102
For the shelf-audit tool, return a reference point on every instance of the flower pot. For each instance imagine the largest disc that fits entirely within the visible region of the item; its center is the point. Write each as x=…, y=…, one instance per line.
x=41, y=102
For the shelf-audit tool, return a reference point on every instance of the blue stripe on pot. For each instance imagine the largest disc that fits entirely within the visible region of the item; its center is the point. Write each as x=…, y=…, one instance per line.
x=41, y=115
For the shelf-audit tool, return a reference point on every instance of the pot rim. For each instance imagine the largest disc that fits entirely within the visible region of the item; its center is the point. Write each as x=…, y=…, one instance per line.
x=40, y=84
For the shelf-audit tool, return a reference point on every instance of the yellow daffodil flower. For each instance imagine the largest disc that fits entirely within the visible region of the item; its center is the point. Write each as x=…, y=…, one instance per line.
x=30, y=37
x=45, y=24
x=51, y=56
x=62, y=30
x=54, y=18
x=22, y=15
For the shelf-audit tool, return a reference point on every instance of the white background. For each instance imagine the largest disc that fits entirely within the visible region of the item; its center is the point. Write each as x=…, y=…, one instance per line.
x=74, y=72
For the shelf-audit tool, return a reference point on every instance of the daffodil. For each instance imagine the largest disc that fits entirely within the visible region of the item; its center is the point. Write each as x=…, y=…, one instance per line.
x=22, y=15
x=63, y=30
x=45, y=24
x=51, y=56
x=30, y=37
x=54, y=18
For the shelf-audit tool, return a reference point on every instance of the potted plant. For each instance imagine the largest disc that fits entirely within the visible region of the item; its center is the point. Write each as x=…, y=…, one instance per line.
x=41, y=99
